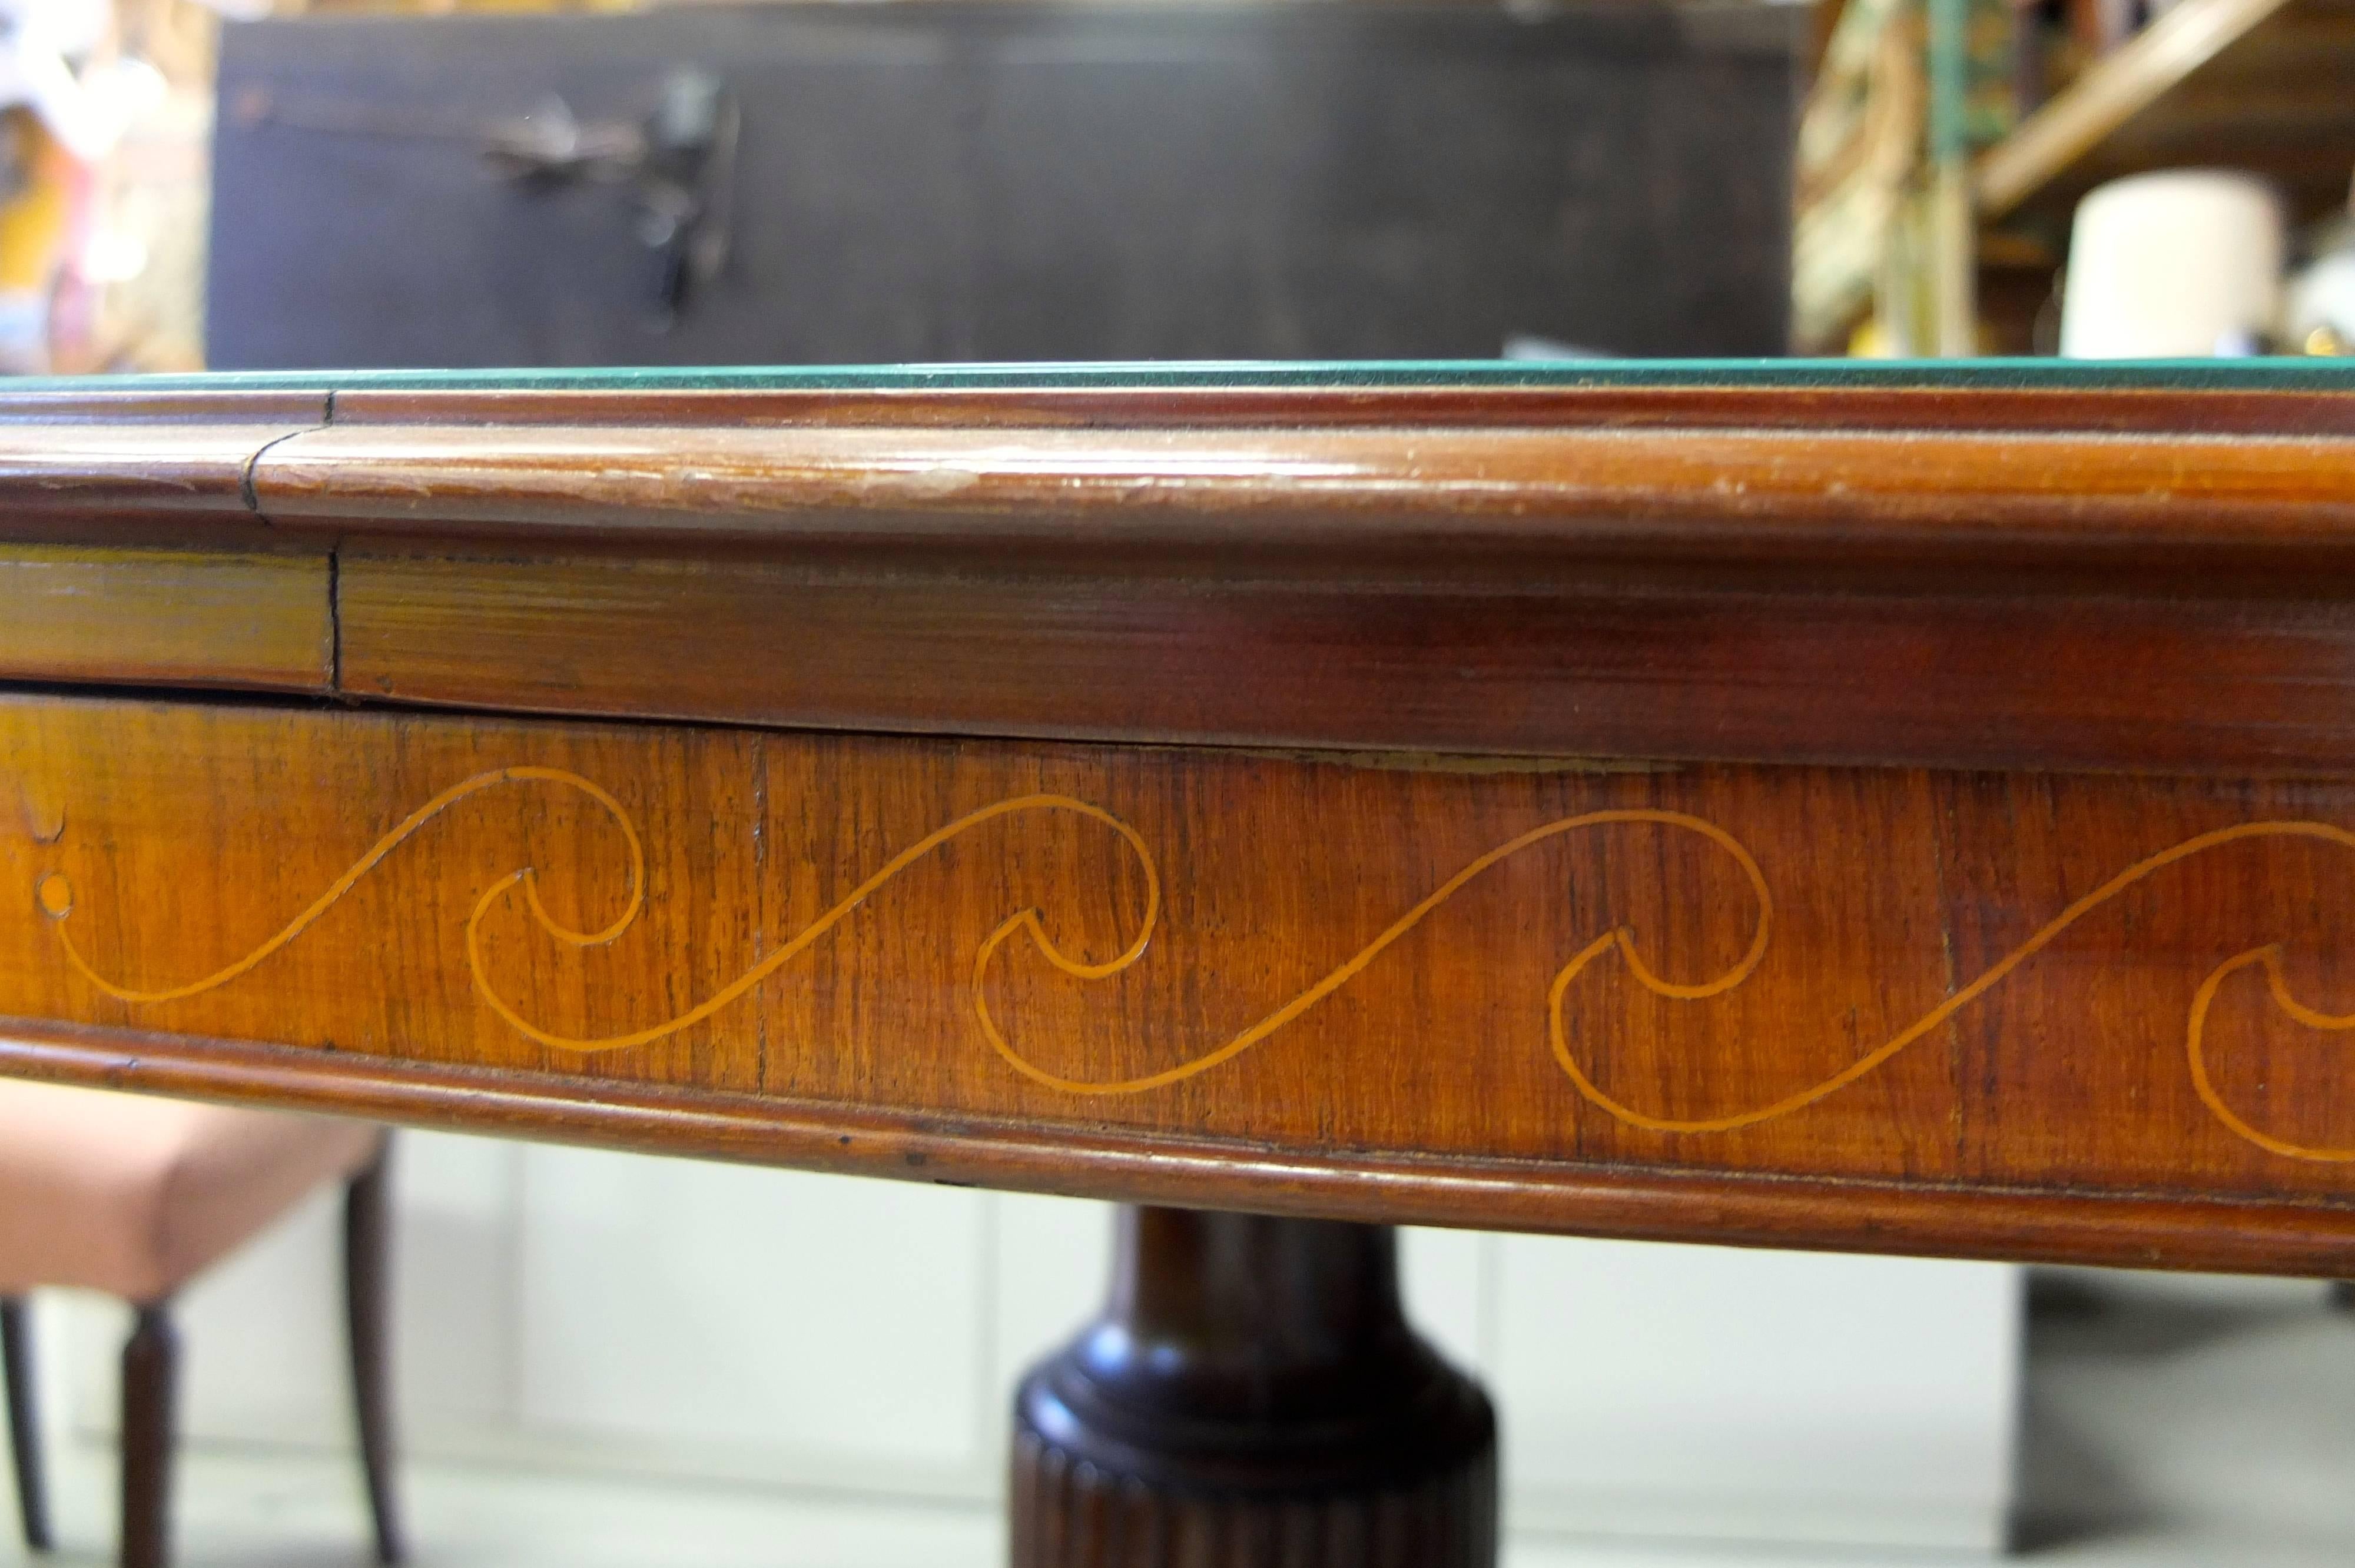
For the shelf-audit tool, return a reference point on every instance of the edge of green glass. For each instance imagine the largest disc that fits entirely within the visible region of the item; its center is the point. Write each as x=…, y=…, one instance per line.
x=2226, y=374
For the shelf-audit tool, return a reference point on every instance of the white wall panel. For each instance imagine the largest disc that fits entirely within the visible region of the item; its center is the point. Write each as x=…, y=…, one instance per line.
x=457, y=1283
x=767, y=1322
x=1053, y=1262
x=1448, y=1278
x=1691, y=1391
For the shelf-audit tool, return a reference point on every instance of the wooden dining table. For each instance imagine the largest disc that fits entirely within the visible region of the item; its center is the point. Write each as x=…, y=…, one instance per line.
x=1896, y=808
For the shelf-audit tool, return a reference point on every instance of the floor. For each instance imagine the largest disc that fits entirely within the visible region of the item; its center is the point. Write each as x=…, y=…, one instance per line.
x=2171, y=1423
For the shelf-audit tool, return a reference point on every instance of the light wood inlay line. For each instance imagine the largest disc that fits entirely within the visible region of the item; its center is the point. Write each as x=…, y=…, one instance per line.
x=54, y=896
x=54, y=891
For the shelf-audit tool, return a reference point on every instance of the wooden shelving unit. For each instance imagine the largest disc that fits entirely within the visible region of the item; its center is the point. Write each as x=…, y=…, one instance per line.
x=2266, y=85
x=2263, y=85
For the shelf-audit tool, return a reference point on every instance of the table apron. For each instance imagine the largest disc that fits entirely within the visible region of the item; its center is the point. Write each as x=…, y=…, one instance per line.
x=2006, y=1014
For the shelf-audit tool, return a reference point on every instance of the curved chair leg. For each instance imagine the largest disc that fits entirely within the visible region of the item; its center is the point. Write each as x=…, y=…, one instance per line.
x=368, y=1291
x=151, y=1364
x=24, y=1420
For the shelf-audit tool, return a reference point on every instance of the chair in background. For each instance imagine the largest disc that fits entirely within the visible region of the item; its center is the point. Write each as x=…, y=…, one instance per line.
x=135, y=1196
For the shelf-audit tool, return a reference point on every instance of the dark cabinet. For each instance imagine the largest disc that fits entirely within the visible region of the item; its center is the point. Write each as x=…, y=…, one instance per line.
x=951, y=181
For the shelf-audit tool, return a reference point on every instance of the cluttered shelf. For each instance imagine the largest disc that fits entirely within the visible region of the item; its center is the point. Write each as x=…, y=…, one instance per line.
x=2259, y=85
x=1946, y=147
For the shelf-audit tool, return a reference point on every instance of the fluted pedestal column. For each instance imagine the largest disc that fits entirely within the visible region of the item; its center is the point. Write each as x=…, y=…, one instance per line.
x=1252, y=1397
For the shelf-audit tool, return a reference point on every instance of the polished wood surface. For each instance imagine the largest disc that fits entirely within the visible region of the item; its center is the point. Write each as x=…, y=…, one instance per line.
x=1814, y=672
x=167, y=617
x=132, y=463
x=1252, y=1397
x=151, y=1398
x=1896, y=808
x=2078, y=998
x=1900, y=809
x=16, y=1358
x=367, y=1327
x=2023, y=574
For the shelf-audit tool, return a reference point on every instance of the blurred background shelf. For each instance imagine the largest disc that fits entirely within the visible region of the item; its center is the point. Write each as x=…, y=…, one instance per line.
x=1946, y=143
x=2263, y=85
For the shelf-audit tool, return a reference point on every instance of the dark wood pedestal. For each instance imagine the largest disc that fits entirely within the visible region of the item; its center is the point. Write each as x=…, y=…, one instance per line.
x=1251, y=1395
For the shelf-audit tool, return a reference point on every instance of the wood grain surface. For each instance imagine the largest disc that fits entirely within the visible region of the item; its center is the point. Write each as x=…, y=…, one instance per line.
x=2108, y=575
x=1953, y=860
x=1984, y=1013
x=162, y=616
x=1252, y=1396
x=1775, y=671
x=1481, y=486
x=2009, y=576
x=119, y=463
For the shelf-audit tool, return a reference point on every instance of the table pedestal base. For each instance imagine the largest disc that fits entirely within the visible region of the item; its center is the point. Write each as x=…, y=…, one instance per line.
x=1252, y=1395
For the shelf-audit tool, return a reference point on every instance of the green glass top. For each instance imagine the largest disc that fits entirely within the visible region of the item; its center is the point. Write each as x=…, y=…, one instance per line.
x=2286, y=374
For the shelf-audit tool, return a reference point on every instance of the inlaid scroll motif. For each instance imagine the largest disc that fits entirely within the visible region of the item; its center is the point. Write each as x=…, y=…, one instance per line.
x=54, y=896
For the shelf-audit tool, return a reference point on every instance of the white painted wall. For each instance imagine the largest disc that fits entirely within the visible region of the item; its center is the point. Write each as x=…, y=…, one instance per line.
x=566, y=1307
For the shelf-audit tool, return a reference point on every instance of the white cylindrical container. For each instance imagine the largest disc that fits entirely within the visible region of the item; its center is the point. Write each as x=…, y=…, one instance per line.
x=2184, y=263
x=2321, y=311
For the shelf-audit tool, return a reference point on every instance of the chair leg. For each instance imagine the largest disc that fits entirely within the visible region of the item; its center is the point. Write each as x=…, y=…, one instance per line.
x=367, y=1292
x=151, y=1359
x=24, y=1420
